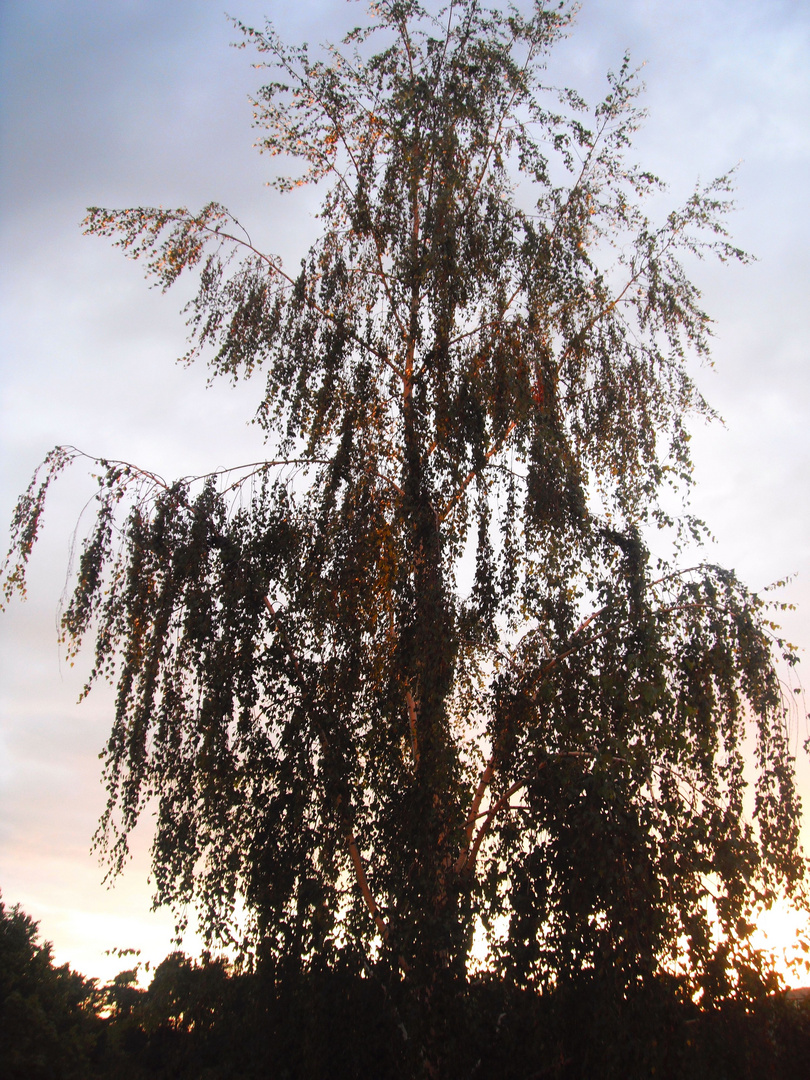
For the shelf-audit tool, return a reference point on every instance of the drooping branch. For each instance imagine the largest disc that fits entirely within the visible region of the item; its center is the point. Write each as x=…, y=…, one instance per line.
x=496, y=447
x=168, y=266
x=351, y=842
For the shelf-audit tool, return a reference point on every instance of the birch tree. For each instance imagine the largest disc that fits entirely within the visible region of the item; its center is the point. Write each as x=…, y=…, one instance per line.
x=414, y=689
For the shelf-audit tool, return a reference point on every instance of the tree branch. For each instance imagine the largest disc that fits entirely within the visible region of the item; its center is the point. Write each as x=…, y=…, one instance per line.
x=314, y=305
x=494, y=449
x=351, y=843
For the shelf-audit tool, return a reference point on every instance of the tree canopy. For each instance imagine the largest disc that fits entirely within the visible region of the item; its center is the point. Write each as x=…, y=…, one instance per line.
x=420, y=688
x=49, y=1023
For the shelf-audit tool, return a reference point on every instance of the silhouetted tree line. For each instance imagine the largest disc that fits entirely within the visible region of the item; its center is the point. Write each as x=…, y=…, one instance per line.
x=202, y=1020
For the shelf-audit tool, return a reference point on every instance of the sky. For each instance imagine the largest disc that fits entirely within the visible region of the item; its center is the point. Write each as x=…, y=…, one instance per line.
x=139, y=102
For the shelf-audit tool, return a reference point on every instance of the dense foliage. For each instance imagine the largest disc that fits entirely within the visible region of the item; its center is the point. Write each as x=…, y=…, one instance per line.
x=49, y=1024
x=203, y=1021
x=416, y=681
